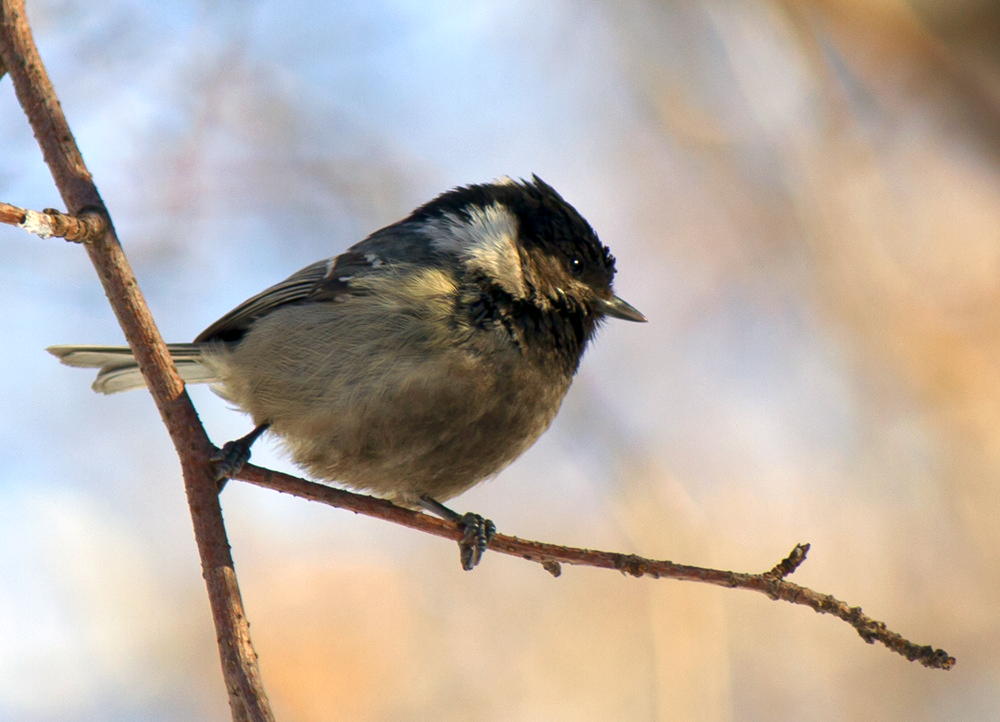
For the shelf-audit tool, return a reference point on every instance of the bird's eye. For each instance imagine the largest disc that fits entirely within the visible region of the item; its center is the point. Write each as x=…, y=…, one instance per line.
x=575, y=265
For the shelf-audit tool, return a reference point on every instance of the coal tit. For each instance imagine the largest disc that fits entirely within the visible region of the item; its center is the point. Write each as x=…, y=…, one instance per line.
x=419, y=362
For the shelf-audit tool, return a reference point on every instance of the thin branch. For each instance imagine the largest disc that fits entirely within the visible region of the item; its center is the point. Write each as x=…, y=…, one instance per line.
x=12, y=215
x=771, y=583
x=790, y=563
x=90, y=225
x=37, y=97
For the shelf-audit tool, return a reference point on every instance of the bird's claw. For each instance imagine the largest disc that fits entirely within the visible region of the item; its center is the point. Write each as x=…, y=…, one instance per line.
x=233, y=456
x=229, y=460
x=478, y=533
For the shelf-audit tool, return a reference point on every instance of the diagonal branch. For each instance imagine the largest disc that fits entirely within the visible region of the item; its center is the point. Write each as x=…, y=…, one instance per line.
x=38, y=99
x=771, y=583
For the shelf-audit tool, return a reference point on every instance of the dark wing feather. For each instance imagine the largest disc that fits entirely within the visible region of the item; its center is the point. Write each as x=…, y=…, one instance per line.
x=328, y=280
x=293, y=289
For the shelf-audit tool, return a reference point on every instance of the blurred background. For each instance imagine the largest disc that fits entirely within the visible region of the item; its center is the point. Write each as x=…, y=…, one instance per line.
x=804, y=199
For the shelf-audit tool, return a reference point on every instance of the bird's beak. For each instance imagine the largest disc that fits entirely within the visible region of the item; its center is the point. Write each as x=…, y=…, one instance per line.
x=617, y=308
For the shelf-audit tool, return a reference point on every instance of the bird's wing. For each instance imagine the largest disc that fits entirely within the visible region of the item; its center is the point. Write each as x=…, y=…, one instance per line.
x=329, y=280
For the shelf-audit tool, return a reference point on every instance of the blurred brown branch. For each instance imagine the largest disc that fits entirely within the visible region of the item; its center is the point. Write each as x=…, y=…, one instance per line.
x=905, y=67
x=37, y=97
x=550, y=556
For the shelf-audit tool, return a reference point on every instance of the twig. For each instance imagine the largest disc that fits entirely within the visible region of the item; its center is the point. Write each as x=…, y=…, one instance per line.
x=12, y=215
x=790, y=563
x=771, y=583
x=37, y=97
x=89, y=225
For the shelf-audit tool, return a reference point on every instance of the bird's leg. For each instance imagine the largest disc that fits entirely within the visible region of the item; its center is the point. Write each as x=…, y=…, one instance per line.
x=234, y=454
x=477, y=531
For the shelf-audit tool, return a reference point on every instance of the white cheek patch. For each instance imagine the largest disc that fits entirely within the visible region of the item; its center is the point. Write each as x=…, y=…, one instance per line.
x=486, y=242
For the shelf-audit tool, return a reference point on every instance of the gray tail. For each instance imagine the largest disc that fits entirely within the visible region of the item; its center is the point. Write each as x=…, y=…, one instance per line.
x=120, y=372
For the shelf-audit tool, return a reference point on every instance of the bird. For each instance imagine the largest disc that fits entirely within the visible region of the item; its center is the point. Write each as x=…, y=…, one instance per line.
x=419, y=362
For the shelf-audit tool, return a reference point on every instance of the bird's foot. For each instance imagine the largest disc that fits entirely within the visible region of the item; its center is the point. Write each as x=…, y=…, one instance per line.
x=233, y=455
x=477, y=531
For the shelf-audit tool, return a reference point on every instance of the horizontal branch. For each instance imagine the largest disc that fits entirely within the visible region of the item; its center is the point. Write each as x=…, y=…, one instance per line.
x=87, y=226
x=771, y=583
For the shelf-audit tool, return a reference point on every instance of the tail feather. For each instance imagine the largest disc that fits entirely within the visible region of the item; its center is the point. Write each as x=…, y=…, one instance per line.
x=119, y=371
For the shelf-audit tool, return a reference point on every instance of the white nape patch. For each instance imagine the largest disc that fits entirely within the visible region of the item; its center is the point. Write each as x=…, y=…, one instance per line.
x=330, y=263
x=504, y=180
x=373, y=260
x=486, y=242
